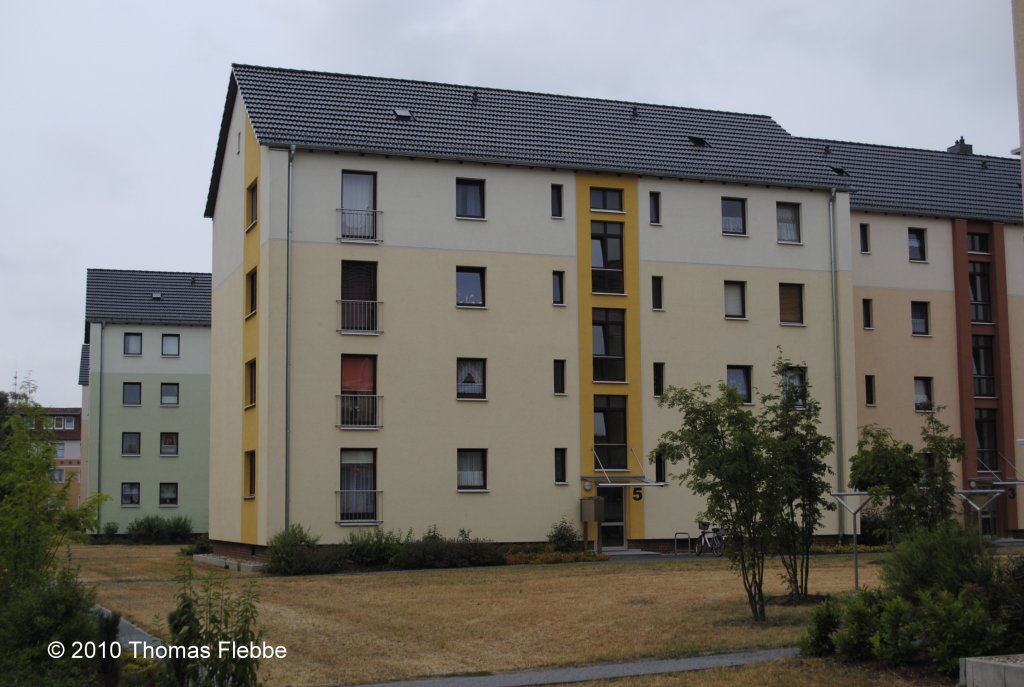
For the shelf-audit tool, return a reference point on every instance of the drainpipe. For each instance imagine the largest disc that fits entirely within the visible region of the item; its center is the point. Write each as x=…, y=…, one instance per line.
x=288, y=348
x=836, y=360
x=99, y=433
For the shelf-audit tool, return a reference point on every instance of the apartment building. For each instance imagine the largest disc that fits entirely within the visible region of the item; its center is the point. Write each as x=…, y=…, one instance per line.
x=66, y=424
x=458, y=306
x=145, y=377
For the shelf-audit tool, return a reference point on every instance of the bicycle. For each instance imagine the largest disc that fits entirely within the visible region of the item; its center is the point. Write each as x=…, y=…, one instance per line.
x=713, y=542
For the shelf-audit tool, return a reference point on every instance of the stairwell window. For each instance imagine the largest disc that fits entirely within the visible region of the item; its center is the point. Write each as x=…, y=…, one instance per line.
x=558, y=288
x=560, y=473
x=865, y=238
x=867, y=310
x=656, y=293
x=559, y=374
x=608, y=199
x=469, y=198
x=655, y=203
x=869, y=390
x=556, y=201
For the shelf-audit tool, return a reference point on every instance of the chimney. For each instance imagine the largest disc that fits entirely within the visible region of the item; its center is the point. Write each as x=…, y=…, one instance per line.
x=961, y=147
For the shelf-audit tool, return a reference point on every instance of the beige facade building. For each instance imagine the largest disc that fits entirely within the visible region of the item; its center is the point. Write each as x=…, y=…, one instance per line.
x=458, y=306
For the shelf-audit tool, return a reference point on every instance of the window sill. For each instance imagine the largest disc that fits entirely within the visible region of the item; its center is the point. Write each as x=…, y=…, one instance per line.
x=358, y=523
x=987, y=398
x=169, y=405
x=658, y=309
x=130, y=505
x=250, y=497
x=558, y=305
x=871, y=405
x=561, y=484
x=792, y=324
x=251, y=225
x=557, y=217
x=657, y=224
x=471, y=400
x=921, y=336
x=473, y=491
x=608, y=293
x=131, y=405
x=609, y=212
x=789, y=243
x=610, y=381
x=168, y=505
x=467, y=306
x=919, y=410
x=562, y=394
x=920, y=262
x=865, y=252
x=131, y=455
x=737, y=319
x=169, y=455
x=472, y=219
x=869, y=329
x=249, y=407
x=162, y=355
x=984, y=324
x=132, y=355
x=249, y=315
x=978, y=252
x=736, y=234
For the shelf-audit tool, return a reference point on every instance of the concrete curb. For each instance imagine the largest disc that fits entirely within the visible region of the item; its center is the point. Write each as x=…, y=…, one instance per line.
x=604, y=671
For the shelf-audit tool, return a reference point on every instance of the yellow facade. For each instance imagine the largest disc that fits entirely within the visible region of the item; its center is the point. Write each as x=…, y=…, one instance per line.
x=250, y=335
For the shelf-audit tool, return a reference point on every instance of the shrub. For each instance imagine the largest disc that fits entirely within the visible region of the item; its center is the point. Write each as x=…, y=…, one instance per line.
x=447, y=553
x=376, y=547
x=954, y=626
x=895, y=642
x=200, y=545
x=110, y=530
x=154, y=529
x=290, y=551
x=564, y=536
x=819, y=640
x=1011, y=586
x=945, y=558
x=526, y=557
x=859, y=624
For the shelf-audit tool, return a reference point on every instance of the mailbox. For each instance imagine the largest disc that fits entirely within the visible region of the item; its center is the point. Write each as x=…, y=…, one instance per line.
x=592, y=509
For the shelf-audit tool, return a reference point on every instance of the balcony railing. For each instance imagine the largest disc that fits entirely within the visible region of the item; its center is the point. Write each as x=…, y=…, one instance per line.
x=359, y=317
x=360, y=506
x=606, y=280
x=360, y=411
x=360, y=225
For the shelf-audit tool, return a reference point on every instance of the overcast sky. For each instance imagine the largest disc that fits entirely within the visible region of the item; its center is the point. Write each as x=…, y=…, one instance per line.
x=110, y=110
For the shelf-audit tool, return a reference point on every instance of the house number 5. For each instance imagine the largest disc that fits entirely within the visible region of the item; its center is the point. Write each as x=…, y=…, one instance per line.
x=638, y=493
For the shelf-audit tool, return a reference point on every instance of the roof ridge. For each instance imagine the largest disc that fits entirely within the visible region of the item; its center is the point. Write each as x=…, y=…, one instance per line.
x=810, y=139
x=121, y=271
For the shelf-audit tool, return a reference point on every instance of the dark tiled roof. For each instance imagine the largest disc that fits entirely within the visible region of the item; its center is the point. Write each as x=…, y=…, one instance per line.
x=83, y=366
x=62, y=411
x=357, y=113
x=931, y=183
x=128, y=296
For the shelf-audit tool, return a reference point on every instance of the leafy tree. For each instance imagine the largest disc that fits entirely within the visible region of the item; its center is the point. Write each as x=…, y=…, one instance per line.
x=727, y=463
x=917, y=484
x=789, y=421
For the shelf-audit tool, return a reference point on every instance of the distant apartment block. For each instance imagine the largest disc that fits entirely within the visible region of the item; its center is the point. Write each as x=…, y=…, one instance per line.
x=66, y=424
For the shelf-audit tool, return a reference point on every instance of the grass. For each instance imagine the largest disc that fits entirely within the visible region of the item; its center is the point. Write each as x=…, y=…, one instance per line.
x=355, y=628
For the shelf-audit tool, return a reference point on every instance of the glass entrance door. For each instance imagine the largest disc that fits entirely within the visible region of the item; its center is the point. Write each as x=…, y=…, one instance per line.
x=613, y=529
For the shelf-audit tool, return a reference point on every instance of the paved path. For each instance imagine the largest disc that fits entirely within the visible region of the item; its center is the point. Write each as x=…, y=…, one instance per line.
x=604, y=671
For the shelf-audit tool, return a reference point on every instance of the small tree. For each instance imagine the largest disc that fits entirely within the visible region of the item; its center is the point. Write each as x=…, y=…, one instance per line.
x=789, y=422
x=720, y=442
x=918, y=484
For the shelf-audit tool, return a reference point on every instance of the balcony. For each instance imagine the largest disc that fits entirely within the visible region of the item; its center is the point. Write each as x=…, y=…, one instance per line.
x=359, y=506
x=359, y=317
x=362, y=226
x=360, y=411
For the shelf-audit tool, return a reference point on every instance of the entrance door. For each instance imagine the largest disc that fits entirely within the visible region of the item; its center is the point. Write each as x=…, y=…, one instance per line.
x=613, y=529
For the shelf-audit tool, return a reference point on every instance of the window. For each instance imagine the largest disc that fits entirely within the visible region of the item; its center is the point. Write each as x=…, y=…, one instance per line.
x=977, y=243
x=923, y=400
x=867, y=313
x=60, y=447
x=250, y=383
x=471, y=380
x=359, y=391
x=558, y=288
x=131, y=443
x=736, y=299
x=560, y=474
x=659, y=379
x=359, y=297
x=916, y=243
x=655, y=203
x=170, y=345
x=865, y=238
x=791, y=303
x=57, y=475
x=69, y=422
x=656, y=301
x=249, y=476
x=794, y=386
x=168, y=394
x=168, y=493
x=556, y=200
x=130, y=494
x=131, y=393
x=251, y=283
x=610, y=433
x=738, y=377
x=168, y=443
x=58, y=422
x=660, y=474
x=606, y=199
x=606, y=262
x=469, y=287
x=609, y=341
x=359, y=206
x=985, y=437
x=251, y=205
x=133, y=344
x=984, y=365
x=919, y=318
x=469, y=198
x=472, y=469
x=787, y=217
x=358, y=485
x=559, y=376
x=869, y=390
x=734, y=216
x=981, y=292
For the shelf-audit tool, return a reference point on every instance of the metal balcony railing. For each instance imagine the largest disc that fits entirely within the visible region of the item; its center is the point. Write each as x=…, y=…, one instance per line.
x=359, y=317
x=360, y=225
x=360, y=411
x=360, y=506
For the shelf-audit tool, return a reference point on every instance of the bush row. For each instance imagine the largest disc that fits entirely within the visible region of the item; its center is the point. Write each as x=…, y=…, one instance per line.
x=945, y=595
x=150, y=529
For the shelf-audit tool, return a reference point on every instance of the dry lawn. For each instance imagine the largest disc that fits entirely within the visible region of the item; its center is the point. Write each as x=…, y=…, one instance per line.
x=353, y=628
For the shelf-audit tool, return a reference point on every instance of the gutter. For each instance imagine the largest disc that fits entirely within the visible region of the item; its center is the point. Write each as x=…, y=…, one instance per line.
x=836, y=358
x=288, y=347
